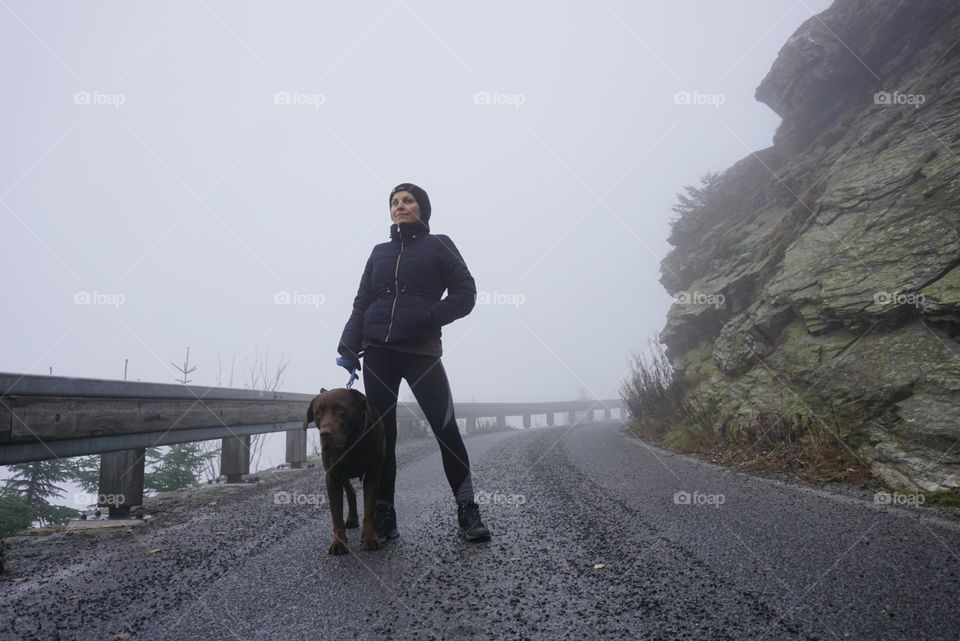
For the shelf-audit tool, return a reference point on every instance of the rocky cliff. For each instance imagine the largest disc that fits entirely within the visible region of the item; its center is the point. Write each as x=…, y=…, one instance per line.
x=822, y=278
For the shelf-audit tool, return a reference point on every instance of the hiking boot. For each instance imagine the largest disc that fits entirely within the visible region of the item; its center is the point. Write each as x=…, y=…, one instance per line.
x=471, y=527
x=385, y=521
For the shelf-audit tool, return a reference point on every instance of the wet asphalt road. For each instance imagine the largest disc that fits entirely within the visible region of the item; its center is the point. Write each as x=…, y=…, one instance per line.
x=589, y=542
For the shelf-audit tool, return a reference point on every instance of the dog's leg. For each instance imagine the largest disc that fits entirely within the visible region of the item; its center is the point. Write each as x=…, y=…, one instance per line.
x=335, y=496
x=371, y=483
x=352, y=519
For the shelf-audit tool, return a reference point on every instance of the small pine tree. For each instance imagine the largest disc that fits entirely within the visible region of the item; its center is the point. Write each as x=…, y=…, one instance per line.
x=15, y=513
x=697, y=205
x=37, y=482
x=179, y=466
x=697, y=198
x=85, y=472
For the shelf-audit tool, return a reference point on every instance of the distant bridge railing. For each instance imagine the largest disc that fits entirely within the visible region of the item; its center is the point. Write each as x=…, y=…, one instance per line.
x=45, y=417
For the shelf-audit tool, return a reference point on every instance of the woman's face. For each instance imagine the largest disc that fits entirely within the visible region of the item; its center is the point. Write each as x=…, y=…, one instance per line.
x=404, y=208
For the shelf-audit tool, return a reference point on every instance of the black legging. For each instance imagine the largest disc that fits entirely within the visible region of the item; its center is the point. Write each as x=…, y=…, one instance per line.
x=382, y=370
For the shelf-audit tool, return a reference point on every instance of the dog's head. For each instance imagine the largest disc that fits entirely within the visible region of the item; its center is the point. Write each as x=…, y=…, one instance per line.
x=340, y=414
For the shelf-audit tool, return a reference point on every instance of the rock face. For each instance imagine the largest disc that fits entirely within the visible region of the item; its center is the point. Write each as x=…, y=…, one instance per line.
x=824, y=280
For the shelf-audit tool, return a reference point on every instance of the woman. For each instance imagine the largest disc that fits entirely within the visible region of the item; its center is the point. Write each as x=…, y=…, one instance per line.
x=395, y=327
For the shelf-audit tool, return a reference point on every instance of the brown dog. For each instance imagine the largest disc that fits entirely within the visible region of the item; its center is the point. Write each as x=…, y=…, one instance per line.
x=353, y=444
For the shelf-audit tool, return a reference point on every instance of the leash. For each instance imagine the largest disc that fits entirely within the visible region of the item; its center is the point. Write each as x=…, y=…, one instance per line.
x=343, y=362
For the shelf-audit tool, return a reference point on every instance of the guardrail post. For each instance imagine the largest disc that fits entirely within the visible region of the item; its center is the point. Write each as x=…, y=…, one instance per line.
x=526, y=420
x=235, y=457
x=550, y=419
x=121, y=480
x=571, y=417
x=296, y=448
x=471, y=424
x=606, y=413
x=501, y=422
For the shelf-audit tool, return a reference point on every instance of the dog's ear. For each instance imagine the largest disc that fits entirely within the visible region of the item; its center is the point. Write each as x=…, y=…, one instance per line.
x=365, y=406
x=358, y=397
x=310, y=417
x=373, y=414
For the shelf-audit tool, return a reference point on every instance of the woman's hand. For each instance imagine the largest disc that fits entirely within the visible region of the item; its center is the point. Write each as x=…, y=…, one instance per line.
x=350, y=364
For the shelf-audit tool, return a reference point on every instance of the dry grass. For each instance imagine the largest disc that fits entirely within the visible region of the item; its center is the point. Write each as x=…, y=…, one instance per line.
x=667, y=411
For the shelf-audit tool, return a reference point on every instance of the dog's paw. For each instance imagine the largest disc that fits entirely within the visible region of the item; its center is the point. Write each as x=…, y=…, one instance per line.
x=371, y=542
x=338, y=547
x=353, y=522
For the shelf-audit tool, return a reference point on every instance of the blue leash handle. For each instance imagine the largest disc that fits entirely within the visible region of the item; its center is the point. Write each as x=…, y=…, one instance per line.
x=345, y=362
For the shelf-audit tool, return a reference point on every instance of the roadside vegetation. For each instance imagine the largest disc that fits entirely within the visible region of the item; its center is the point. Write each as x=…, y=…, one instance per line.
x=668, y=411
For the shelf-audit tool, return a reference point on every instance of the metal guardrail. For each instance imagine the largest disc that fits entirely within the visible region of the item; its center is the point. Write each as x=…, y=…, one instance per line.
x=44, y=417
x=39, y=385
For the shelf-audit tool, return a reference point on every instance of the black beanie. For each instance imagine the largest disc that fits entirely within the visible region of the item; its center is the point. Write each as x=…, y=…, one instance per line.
x=418, y=194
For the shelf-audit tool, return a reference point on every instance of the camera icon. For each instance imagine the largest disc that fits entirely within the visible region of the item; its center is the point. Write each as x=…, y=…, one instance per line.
x=682, y=498
x=81, y=98
x=882, y=498
x=882, y=98
x=81, y=298
x=882, y=298
x=482, y=98
x=682, y=98
x=282, y=98
x=282, y=298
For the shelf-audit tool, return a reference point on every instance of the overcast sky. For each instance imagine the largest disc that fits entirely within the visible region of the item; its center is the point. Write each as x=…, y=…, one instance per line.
x=182, y=163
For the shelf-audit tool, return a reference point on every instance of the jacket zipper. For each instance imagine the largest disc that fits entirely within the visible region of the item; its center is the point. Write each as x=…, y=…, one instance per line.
x=396, y=287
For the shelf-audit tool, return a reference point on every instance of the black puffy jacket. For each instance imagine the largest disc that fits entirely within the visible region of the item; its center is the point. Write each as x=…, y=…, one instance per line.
x=399, y=298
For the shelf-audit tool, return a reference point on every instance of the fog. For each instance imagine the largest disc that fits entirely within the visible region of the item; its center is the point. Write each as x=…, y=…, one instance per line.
x=182, y=165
